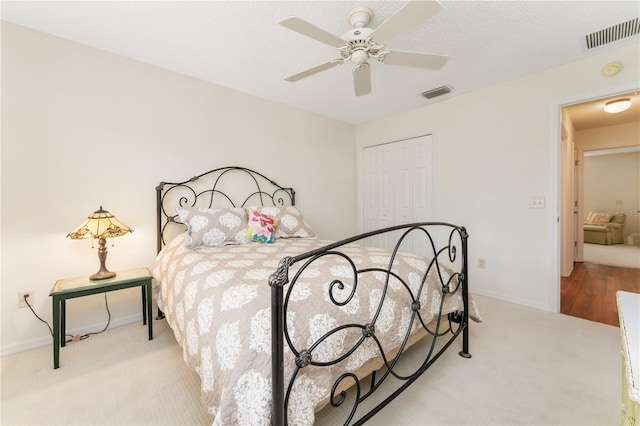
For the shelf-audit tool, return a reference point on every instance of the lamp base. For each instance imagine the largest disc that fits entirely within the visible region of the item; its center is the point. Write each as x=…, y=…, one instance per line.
x=102, y=274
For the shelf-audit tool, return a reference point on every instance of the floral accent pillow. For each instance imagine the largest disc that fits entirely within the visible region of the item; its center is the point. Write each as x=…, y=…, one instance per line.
x=212, y=227
x=261, y=227
x=291, y=223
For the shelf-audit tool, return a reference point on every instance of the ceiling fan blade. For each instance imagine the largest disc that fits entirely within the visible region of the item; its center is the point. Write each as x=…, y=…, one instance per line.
x=309, y=30
x=312, y=71
x=412, y=13
x=415, y=59
x=361, y=79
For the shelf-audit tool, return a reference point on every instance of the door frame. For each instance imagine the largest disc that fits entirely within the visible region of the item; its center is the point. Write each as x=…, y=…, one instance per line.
x=556, y=151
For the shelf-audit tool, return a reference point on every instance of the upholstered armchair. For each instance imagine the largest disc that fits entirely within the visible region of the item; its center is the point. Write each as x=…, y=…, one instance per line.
x=604, y=228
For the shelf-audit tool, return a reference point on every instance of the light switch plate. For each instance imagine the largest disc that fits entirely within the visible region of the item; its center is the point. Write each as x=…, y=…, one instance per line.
x=536, y=202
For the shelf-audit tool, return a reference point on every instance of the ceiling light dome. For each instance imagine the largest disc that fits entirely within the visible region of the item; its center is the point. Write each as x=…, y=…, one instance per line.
x=617, y=105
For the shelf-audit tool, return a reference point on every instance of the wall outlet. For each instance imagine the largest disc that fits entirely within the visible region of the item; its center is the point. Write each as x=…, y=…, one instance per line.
x=21, y=301
x=482, y=263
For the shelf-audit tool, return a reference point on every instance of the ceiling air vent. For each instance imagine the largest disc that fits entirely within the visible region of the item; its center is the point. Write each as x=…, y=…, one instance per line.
x=614, y=33
x=443, y=90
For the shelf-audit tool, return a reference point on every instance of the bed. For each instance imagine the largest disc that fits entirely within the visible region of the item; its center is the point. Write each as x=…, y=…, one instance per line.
x=279, y=323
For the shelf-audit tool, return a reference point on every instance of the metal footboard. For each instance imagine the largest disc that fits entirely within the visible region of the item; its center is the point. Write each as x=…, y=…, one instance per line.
x=444, y=330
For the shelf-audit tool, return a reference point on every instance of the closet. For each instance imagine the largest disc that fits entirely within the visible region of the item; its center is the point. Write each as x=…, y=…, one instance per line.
x=398, y=187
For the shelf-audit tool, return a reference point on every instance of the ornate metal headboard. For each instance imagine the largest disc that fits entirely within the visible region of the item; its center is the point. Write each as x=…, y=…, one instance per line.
x=222, y=187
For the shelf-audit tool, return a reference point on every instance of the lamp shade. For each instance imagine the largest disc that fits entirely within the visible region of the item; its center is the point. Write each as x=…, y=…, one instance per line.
x=101, y=224
x=618, y=105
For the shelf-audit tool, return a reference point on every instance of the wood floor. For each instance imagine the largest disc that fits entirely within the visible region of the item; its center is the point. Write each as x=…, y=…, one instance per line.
x=590, y=291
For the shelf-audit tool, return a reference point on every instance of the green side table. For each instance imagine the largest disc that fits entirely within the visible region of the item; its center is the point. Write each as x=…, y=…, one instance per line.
x=70, y=288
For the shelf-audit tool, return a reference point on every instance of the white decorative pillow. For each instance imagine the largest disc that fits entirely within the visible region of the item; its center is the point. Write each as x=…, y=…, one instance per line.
x=214, y=227
x=290, y=221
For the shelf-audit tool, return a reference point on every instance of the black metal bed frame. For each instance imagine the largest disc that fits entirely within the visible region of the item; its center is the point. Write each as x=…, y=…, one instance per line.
x=446, y=327
x=187, y=194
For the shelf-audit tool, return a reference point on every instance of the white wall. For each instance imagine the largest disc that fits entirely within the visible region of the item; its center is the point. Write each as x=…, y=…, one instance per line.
x=497, y=147
x=83, y=128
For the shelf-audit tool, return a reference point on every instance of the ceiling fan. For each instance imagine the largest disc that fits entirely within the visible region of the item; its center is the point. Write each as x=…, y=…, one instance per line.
x=361, y=43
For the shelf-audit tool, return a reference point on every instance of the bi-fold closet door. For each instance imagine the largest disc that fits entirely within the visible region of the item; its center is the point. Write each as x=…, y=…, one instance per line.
x=398, y=187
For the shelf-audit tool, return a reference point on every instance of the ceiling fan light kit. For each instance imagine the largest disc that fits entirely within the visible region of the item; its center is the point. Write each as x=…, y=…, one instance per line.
x=361, y=44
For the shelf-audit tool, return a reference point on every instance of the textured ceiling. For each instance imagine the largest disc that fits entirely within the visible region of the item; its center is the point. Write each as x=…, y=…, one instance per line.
x=240, y=44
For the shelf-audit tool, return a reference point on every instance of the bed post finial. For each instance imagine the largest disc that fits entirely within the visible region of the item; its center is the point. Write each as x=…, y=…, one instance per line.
x=281, y=276
x=463, y=232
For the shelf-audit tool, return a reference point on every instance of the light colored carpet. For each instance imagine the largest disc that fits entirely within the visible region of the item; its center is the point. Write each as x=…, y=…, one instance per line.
x=118, y=377
x=528, y=367
x=614, y=255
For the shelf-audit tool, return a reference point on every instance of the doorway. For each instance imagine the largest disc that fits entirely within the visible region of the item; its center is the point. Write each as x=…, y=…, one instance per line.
x=587, y=289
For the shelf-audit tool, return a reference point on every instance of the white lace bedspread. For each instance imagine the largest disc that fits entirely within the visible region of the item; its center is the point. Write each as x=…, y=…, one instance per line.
x=217, y=301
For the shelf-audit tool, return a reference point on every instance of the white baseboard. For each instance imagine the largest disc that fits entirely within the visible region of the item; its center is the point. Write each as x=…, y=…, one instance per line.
x=48, y=340
x=517, y=301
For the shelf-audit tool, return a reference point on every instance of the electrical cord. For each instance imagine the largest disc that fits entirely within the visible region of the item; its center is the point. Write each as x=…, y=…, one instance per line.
x=74, y=338
x=106, y=304
x=26, y=300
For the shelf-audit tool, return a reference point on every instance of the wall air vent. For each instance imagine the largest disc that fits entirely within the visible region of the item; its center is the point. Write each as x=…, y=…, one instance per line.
x=613, y=34
x=429, y=94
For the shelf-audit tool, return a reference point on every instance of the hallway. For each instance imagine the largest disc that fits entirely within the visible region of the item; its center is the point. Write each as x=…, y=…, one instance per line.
x=590, y=291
